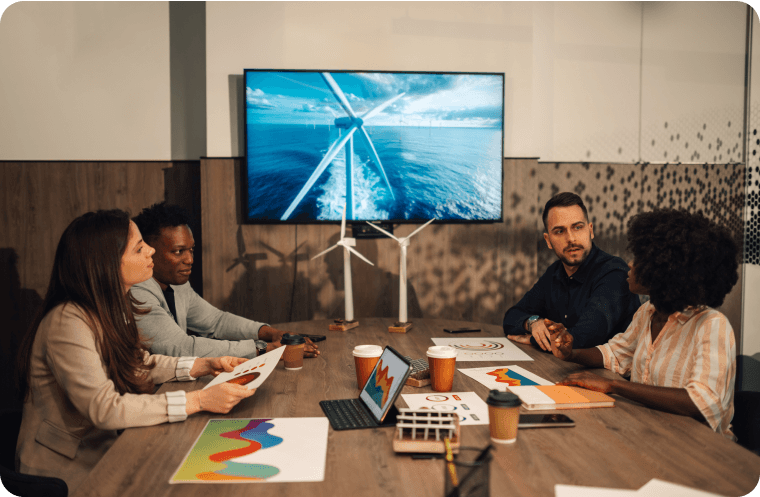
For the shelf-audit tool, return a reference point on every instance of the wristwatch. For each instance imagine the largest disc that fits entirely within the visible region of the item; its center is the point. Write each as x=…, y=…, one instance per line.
x=261, y=347
x=529, y=322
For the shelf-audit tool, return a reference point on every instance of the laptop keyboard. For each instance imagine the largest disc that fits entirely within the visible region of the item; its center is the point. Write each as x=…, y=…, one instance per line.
x=347, y=414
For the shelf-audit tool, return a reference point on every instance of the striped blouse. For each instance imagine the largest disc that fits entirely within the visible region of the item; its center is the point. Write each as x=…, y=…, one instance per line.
x=695, y=350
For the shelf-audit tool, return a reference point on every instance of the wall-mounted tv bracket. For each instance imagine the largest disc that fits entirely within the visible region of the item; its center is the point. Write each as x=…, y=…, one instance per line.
x=363, y=230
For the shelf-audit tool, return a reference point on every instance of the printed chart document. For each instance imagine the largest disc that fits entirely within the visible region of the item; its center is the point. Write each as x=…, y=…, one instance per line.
x=658, y=488
x=472, y=410
x=654, y=488
x=579, y=491
x=485, y=349
x=257, y=450
x=545, y=397
x=251, y=373
x=501, y=377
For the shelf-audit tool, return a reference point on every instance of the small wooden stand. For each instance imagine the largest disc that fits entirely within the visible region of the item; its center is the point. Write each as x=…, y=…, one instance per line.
x=400, y=327
x=419, y=378
x=424, y=431
x=343, y=325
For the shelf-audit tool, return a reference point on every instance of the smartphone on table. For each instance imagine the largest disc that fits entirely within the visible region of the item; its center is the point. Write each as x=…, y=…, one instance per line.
x=544, y=421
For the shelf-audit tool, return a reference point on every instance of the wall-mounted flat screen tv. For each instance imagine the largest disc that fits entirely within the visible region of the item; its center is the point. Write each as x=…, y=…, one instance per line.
x=390, y=146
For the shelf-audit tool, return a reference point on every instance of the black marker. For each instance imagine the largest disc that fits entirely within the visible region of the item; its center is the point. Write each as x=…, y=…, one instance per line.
x=461, y=330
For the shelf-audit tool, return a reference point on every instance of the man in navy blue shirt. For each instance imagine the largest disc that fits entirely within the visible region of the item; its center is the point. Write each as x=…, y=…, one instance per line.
x=585, y=291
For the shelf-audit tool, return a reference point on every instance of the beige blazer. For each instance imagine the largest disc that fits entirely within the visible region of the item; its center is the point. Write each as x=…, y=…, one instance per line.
x=71, y=417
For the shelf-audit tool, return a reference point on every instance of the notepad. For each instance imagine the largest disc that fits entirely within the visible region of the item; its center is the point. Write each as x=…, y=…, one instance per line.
x=543, y=397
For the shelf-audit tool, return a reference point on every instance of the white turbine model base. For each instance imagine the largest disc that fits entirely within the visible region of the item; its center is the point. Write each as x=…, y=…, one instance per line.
x=347, y=244
x=402, y=325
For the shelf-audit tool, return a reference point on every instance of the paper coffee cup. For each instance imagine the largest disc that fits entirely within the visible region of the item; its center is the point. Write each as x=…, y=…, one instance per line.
x=365, y=358
x=293, y=354
x=442, y=360
x=503, y=416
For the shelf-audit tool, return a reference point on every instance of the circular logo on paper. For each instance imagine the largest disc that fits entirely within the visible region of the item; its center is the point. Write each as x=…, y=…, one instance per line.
x=244, y=379
x=485, y=345
x=436, y=398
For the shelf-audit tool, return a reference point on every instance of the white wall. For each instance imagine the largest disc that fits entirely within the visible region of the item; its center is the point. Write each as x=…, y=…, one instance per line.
x=751, y=309
x=405, y=36
x=84, y=81
x=584, y=80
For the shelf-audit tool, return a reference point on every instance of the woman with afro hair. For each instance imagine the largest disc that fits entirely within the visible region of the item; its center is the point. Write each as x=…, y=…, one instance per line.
x=679, y=350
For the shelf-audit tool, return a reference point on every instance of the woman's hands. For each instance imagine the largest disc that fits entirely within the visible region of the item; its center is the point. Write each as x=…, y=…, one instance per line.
x=219, y=398
x=588, y=380
x=214, y=365
x=562, y=344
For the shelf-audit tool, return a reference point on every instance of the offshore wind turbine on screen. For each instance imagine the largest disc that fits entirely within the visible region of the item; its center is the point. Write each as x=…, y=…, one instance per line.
x=402, y=300
x=351, y=124
x=347, y=244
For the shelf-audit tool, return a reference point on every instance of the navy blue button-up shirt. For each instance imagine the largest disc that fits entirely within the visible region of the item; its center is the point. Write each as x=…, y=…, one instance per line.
x=594, y=303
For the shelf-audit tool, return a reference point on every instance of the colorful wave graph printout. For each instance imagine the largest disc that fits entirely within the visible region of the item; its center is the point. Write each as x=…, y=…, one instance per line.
x=251, y=373
x=484, y=349
x=256, y=451
x=501, y=377
x=470, y=408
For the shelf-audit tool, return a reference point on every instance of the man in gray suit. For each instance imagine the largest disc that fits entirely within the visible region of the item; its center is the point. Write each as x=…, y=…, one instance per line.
x=180, y=322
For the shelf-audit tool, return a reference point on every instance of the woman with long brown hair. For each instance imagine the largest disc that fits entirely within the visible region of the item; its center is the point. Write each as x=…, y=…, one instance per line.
x=83, y=368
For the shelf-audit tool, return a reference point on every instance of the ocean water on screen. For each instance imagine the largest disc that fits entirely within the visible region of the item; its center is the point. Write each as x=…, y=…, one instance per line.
x=438, y=172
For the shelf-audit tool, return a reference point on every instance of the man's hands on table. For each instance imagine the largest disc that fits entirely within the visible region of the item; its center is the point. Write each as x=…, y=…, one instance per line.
x=273, y=335
x=542, y=331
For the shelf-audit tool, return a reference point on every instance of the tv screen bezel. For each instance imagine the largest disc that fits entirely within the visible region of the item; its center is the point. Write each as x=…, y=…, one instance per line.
x=244, y=165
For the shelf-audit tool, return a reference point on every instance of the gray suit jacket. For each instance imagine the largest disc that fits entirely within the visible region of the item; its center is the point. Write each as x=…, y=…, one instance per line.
x=71, y=417
x=221, y=333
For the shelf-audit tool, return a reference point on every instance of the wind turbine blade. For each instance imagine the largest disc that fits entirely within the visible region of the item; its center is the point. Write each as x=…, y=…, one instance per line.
x=338, y=94
x=343, y=224
x=324, y=252
x=329, y=156
x=419, y=229
x=383, y=231
x=375, y=158
x=358, y=255
x=377, y=110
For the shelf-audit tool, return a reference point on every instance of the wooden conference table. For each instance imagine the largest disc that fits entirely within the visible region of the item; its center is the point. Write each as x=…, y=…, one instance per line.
x=622, y=447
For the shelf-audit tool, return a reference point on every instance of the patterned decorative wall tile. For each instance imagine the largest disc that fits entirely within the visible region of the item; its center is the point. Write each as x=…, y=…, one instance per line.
x=615, y=192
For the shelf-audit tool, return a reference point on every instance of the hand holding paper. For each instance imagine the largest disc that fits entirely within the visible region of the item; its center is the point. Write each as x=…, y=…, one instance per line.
x=220, y=398
x=252, y=373
x=214, y=365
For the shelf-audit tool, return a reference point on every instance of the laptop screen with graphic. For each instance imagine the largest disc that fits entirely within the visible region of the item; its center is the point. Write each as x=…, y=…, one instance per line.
x=385, y=383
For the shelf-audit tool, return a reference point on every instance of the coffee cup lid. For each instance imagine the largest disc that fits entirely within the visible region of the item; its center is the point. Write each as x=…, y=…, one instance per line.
x=288, y=339
x=441, y=352
x=368, y=351
x=497, y=398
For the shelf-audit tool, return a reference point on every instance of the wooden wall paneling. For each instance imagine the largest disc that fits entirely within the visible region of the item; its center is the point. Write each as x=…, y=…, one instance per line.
x=218, y=220
x=454, y=271
x=39, y=199
x=182, y=183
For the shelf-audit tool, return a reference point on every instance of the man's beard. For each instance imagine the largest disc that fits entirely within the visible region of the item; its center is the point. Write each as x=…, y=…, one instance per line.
x=571, y=263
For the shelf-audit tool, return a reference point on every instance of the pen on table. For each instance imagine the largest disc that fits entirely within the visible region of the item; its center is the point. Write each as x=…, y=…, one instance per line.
x=480, y=458
x=450, y=466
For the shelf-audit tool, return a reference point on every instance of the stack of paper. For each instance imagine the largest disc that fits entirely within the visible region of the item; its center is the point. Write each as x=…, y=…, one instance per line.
x=655, y=488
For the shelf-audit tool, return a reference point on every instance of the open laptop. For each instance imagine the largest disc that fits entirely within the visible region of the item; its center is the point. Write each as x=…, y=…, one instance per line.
x=375, y=406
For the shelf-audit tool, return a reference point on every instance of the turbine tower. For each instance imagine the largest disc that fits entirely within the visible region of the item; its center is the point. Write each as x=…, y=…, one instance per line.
x=402, y=326
x=347, y=244
x=351, y=124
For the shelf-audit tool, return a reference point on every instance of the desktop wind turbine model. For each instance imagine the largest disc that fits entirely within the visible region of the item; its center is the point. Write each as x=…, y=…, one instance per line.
x=402, y=326
x=347, y=244
x=352, y=123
